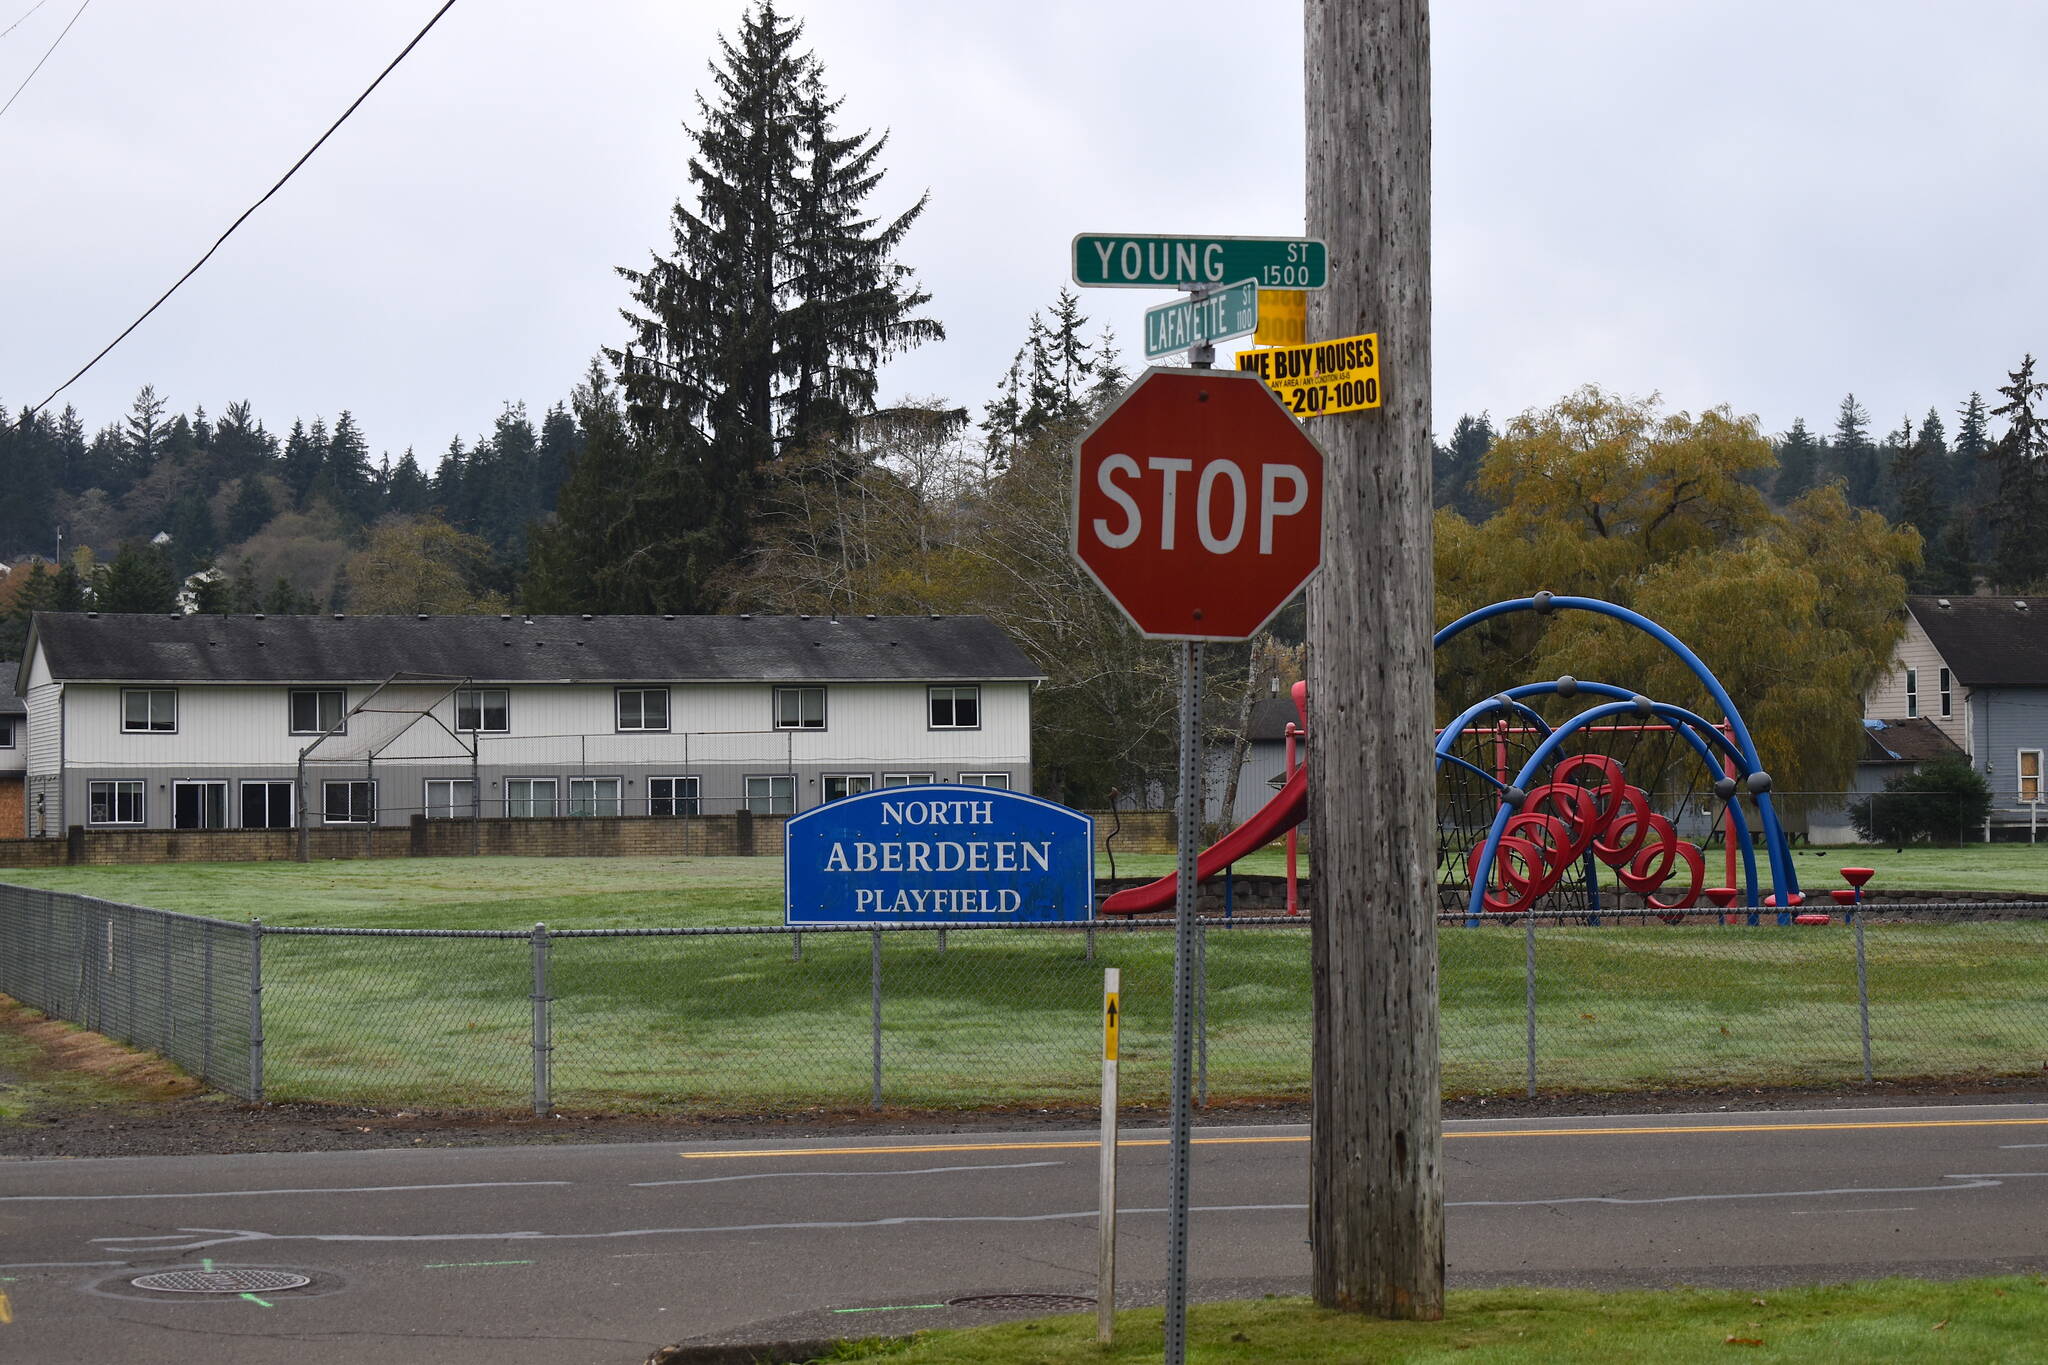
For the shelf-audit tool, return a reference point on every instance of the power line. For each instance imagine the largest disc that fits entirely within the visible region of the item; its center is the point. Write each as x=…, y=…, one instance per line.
x=23, y=19
x=251, y=209
x=45, y=57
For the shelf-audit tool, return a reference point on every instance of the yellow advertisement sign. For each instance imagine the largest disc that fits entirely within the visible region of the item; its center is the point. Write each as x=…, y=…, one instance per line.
x=1283, y=317
x=1322, y=377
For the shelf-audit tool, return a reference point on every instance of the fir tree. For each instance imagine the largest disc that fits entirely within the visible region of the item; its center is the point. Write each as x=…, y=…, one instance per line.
x=1110, y=375
x=137, y=580
x=251, y=510
x=580, y=558
x=1798, y=462
x=194, y=537
x=1456, y=467
x=346, y=481
x=240, y=446
x=2019, y=556
x=245, y=595
x=1002, y=422
x=304, y=453
x=143, y=439
x=1855, y=457
x=407, y=494
x=560, y=439
x=777, y=301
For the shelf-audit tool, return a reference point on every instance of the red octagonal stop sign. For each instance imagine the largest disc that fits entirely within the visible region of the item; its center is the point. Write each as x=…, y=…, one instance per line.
x=1198, y=504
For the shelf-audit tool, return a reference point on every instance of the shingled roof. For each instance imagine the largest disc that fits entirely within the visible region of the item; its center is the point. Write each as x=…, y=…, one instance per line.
x=1988, y=641
x=1270, y=717
x=10, y=705
x=1905, y=741
x=98, y=647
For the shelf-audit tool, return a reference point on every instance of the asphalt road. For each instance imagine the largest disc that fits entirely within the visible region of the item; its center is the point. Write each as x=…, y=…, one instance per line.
x=600, y=1253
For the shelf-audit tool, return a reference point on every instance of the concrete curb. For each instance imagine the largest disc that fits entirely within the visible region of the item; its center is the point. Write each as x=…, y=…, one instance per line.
x=747, y=1352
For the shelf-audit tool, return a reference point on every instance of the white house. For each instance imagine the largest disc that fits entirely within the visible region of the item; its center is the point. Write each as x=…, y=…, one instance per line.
x=207, y=722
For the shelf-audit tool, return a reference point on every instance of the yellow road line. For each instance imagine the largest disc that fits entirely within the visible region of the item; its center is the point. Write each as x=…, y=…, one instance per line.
x=6, y=1310
x=1639, y=1131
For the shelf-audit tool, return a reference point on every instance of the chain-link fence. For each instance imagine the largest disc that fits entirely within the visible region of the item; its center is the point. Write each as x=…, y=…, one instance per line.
x=183, y=986
x=775, y=1019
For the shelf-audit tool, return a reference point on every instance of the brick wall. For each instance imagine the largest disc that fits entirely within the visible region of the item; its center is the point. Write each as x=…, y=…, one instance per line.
x=705, y=836
x=11, y=802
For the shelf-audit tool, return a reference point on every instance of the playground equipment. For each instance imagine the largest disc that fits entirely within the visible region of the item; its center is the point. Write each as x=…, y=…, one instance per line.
x=1531, y=809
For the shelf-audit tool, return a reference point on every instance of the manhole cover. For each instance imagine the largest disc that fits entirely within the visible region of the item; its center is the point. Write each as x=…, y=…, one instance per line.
x=221, y=1281
x=1024, y=1303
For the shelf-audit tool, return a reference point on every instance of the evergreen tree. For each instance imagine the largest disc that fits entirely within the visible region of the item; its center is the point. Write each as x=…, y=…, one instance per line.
x=1974, y=474
x=1002, y=422
x=580, y=557
x=143, y=439
x=304, y=453
x=245, y=595
x=1950, y=566
x=1456, y=468
x=68, y=589
x=1919, y=476
x=1110, y=375
x=1799, y=456
x=346, y=481
x=180, y=444
x=777, y=300
x=1855, y=456
x=138, y=580
x=408, y=493
x=71, y=451
x=240, y=446
x=560, y=439
x=506, y=470
x=286, y=600
x=193, y=535
x=251, y=510
x=2019, y=556
x=450, y=487
x=337, y=591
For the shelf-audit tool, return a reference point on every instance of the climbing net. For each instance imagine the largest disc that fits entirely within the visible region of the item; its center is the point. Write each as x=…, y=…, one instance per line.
x=1614, y=817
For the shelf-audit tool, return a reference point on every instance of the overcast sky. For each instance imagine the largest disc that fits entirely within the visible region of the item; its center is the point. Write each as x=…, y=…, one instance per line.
x=1764, y=204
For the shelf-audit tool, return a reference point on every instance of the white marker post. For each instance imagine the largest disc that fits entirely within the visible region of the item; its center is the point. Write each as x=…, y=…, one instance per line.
x=1105, y=1296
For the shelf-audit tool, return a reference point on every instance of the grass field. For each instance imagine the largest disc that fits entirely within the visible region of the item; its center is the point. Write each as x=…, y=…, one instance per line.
x=2002, y=1319
x=737, y=1022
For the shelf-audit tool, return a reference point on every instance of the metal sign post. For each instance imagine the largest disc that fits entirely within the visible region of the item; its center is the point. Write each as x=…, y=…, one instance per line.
x=1187, y=815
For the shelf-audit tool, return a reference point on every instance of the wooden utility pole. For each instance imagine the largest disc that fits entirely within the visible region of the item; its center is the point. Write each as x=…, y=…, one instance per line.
x=1376, y=1214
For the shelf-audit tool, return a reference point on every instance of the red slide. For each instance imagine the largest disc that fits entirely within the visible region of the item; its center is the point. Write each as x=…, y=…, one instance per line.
x=1286, y=810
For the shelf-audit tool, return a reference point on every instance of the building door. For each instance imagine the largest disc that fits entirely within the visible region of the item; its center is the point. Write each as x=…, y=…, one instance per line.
x=267, y=805
x=199, y=805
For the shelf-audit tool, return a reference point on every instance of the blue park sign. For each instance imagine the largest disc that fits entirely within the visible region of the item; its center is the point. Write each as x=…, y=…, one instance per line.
x=939, y=855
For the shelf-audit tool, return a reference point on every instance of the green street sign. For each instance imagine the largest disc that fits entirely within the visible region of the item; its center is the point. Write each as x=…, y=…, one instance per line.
x=1232, y=311
x=1113, y=261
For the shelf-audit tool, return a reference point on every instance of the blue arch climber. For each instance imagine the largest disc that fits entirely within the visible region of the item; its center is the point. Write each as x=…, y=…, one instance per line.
x=1701, y=735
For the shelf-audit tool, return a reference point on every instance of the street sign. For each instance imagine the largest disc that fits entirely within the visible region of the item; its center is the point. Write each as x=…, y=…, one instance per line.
x=1323, y=377
x=1198, y=504
x=1114, y=261
x=1283, y=317
x=1218, y=315
x=938, y=855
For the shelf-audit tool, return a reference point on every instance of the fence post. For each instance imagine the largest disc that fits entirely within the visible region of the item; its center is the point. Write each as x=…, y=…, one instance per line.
x=543, y=1044
x=1202, y=1015
x=875, y=979
x=1529, y=991
x=164, y=1015
x=1862, y=995
x=256, y=1010
x=206, y=1002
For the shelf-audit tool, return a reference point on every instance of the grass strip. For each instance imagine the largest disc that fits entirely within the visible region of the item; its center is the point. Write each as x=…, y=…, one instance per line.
x=2001, y=1319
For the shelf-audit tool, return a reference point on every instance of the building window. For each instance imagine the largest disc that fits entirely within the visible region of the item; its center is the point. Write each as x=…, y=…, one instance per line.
x=318, y=712
x=6, y=732
x=2030, y=776
x=799, y=708
x=151, y=710
x=1945, y=706
x=671, y=796
x=595, y=796
x=348, y=803
x=485, y=710
x=906, y=779
x=1912, y=692
x=450, y=798
x=847, y=784
x=115, y=803
x=267, y=805
x=199, y=805
x=526, y=797
x=985, y=780
x=955, y=708
x=642, y=708
x=771, y=795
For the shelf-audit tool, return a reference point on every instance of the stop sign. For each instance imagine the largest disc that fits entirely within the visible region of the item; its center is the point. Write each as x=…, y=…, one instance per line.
x=1198, y=504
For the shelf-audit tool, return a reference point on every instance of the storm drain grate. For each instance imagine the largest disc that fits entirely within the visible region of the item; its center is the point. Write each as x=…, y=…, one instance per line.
x=1024, y=1303
x=221, y=1281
